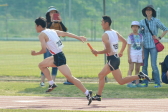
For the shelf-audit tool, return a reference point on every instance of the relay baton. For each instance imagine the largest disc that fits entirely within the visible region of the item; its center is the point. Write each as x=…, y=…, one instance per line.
x=91, y=48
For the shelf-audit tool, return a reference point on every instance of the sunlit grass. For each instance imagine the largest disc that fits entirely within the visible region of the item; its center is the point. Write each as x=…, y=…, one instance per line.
x=15, y=59
x=111, y=90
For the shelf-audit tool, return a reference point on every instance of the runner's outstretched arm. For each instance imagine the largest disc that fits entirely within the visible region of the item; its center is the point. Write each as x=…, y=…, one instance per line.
x=63, y=34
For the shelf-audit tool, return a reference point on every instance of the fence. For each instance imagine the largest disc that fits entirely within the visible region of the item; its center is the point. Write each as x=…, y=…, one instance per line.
x=24, y=29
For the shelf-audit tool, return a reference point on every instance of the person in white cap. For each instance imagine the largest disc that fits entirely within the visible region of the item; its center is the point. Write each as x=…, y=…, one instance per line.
x=135, y=52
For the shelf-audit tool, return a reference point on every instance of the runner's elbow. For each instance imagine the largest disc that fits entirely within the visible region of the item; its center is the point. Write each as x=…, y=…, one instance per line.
x=108, y=50
x=125, y=42
x=64, y=34
x=43, y=51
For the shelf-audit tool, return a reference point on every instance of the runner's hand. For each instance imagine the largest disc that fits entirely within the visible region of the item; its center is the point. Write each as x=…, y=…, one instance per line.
x=33, y=53
x=82, y=38
x=94, y=52
x=120, y=54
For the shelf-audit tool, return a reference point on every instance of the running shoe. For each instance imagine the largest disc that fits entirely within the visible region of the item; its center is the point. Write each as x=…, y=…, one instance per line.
x=51, y=87
x=143, y=76
x=96, y=97
x=89, y=97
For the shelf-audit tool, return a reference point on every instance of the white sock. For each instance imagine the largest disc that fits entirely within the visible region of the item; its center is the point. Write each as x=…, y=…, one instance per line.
x=86, y=92
x=51, y=82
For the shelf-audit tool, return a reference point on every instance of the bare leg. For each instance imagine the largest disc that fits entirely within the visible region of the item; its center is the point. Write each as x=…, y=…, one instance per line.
x=131, y=68
x=64, y=69
x=47, y=62
x=137, y=69
x=105, y=71
x=118, y=77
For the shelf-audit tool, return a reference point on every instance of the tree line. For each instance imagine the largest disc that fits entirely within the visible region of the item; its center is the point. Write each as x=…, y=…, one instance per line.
x=81, y=9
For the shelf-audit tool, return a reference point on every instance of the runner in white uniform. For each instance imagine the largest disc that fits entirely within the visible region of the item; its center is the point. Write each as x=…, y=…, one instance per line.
x=54, y=44
x=50, y=39
x=112, y=56
x=110, y=39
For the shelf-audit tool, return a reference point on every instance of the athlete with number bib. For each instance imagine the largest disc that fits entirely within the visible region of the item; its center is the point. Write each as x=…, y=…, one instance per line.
x=49, y=39
x=110, y=39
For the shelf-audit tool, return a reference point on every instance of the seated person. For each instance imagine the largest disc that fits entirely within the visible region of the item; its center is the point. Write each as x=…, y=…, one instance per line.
x=165, y=70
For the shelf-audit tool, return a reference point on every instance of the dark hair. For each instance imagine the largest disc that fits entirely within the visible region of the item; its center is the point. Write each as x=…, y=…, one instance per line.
x=48, y=18
x=107, y=19
x=41, y=21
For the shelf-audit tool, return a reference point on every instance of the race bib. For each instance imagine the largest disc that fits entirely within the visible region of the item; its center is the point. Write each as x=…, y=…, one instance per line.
x=115, y=46
x=59, y=44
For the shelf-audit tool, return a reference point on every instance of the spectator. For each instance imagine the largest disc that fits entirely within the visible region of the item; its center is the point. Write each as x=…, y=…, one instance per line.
x=53, y=23
x=135, y=52
x=53, y=19
x=149, y=46
x=165, y=70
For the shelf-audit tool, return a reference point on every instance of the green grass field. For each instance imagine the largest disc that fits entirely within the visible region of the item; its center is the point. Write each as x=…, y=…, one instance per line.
x=17, y=61
x=111, y=90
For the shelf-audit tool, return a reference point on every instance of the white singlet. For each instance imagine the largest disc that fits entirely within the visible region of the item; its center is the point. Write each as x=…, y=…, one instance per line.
x=113, y=38
x=54, y=44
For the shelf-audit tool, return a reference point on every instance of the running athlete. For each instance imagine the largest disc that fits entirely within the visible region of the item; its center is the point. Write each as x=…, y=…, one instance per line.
x=110, y=39
x=49, y=39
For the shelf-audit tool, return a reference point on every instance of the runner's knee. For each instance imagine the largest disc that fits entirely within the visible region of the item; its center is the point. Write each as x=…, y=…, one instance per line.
x=120, y=82
x=100, y=75
x=40, y=65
